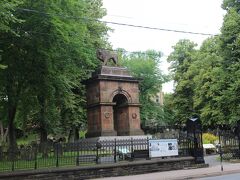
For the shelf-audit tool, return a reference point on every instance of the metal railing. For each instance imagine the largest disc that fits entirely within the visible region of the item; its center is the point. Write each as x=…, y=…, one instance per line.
x=230, y=145
x=85, y=152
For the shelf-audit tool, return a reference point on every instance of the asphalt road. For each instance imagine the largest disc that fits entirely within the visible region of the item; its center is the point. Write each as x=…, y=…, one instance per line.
x=224, y=177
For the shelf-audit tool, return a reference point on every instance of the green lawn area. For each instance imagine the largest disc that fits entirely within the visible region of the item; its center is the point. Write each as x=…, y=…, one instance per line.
x=27, y=139
x=66, y=159
x=40, y=163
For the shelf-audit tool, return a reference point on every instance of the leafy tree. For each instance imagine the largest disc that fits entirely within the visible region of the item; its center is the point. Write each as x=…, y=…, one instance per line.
x=200, y=81
x=48, y=61
x=230, y=51
x=209, y=82
x=7, y=17
x=231, y=4
x=181, y=59
x=169, y=109
x=145, y=65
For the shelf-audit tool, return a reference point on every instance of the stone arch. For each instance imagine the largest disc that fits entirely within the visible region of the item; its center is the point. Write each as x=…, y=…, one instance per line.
x=123, y=92
x=120, y=111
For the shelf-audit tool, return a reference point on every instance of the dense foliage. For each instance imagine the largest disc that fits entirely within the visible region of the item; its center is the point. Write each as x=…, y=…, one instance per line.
x=208, y=79
x=7, y=17
x=145, y=66
x=181, y=59
x=50, y=52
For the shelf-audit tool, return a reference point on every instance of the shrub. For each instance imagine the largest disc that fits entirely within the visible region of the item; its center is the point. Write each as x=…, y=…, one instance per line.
x=209, y=138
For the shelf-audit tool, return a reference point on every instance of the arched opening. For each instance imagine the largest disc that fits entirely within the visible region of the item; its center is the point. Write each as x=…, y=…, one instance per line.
x=119, y=112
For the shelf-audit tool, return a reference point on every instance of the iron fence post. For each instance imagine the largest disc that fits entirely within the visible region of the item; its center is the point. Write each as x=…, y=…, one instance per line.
x=195, y=143
x=238, y=146
x=57, y=161
x=115, y=150
x=77, y=161
x=238, y=135
x=132, y=155
x=97, y=155
x=12, y=158
x=220, y=149
x=148, y=158
x=35, y=163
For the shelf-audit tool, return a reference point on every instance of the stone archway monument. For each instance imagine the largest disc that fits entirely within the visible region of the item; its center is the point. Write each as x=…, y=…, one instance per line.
x=112, y=100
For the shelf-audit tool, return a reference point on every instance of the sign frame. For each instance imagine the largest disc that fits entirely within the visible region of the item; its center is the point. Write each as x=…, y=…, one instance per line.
x=163, y=147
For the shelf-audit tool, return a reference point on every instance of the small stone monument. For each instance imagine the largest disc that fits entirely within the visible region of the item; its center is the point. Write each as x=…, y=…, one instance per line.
x=112, y=100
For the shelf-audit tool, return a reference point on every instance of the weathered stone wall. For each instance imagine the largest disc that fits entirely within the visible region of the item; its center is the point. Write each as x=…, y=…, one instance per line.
x=93, y=93
x=106, y=170
x=93, y=114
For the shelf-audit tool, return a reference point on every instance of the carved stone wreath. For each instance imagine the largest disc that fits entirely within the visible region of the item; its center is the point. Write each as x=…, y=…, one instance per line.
x=134, y=115
x=107, y=115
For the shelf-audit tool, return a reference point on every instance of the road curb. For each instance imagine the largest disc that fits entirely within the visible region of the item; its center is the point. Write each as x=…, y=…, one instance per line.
x=206, y=175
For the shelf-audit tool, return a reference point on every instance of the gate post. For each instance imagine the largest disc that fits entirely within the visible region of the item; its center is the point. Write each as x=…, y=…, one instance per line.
x=220, y=147
x=194, y=131
x=237, y=132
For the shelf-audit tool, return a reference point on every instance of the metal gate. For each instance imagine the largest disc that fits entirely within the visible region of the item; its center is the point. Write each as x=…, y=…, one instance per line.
x=229, y=139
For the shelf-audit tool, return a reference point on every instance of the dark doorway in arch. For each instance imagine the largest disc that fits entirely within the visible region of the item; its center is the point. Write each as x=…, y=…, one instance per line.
x=120, y=113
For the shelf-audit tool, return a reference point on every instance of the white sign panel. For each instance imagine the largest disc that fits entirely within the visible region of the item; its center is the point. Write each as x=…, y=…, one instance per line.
x=163, y=147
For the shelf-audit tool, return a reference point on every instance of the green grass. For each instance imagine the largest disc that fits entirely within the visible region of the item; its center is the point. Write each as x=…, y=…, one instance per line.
x=41, y=163
x=34, y=137
x=28, y=139
x=64, y=160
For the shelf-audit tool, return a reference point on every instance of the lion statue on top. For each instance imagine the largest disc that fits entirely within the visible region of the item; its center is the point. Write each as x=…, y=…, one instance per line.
x=106, y=55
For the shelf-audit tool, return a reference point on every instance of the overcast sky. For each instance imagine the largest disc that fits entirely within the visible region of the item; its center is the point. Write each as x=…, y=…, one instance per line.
x=203, y=16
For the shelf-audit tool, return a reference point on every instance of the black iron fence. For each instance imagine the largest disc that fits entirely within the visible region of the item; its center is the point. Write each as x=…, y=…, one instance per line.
x=229, y=144
x=86, y=152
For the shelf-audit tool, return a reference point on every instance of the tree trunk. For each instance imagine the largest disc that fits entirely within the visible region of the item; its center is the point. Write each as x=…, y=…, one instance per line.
x=43, y=135
x=5, y=136
x=42, y=120
x=44, y=145
x=11, y=127
x=13, y=92
x=12, y=149
x=76, y=134
x=73, y=134
x=1, y=131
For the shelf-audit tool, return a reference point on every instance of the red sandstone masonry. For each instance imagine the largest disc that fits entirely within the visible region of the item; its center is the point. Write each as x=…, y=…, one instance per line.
x=106, y=117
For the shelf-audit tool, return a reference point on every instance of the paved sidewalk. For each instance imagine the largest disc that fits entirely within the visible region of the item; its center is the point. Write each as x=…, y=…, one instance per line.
x=214, y=169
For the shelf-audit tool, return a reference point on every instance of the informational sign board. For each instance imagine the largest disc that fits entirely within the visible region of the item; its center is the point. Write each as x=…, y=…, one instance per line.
x=163, y=147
